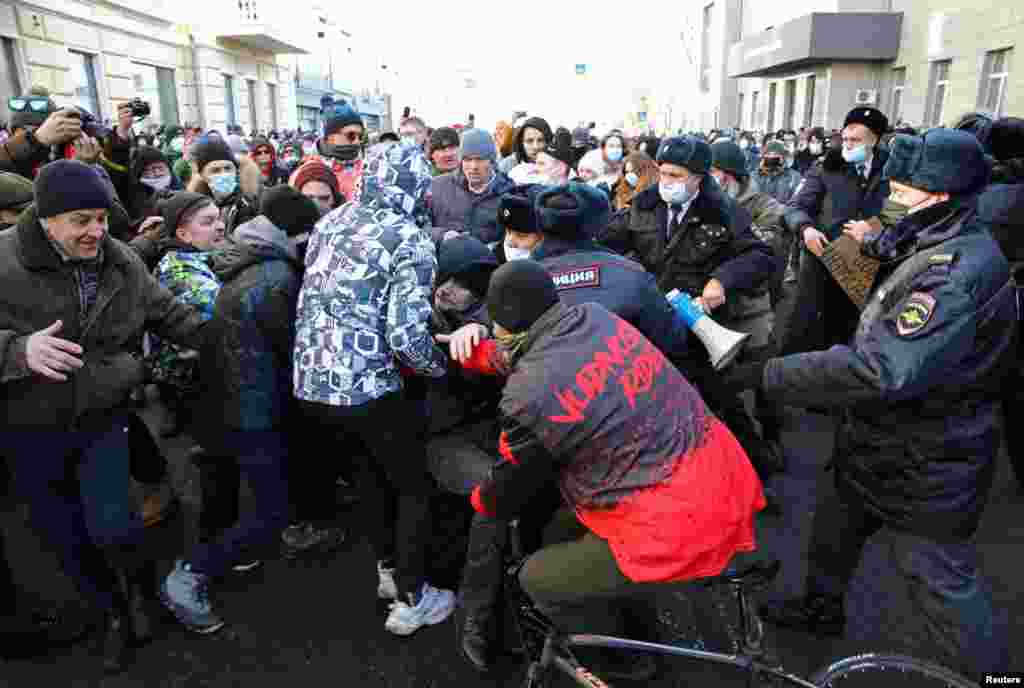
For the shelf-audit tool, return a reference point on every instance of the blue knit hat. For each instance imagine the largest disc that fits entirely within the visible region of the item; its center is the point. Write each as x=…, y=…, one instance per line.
x=477, y=143
x=338, y=115
x=686, y=151
x=66, y=185
x=941, y=161
x=572, y=210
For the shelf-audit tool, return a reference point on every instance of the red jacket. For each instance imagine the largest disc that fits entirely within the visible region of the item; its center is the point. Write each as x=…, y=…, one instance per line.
x=594, y=405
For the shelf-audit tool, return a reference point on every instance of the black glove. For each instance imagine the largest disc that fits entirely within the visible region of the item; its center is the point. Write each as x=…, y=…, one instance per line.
x=740, y=377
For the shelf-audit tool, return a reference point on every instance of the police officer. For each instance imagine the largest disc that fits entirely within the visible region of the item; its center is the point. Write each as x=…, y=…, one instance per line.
x=694, y=238
x=554, y=225
x=917, y=386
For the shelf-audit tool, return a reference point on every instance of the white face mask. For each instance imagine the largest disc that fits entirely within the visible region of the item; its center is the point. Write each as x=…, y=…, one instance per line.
x=676, y=194
x=157, y=183
x=513, y=253
x=744, y=144
x=814, y=148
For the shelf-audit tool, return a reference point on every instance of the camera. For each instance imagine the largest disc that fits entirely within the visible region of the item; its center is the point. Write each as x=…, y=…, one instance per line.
x=140, y=108
x=90, y=125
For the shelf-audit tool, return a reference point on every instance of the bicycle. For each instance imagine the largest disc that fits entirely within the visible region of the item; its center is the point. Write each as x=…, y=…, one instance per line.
x=546, y=647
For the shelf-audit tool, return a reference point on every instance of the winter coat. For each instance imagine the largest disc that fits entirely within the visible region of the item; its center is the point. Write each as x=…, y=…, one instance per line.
x=714, y=240
x=781, y=186
x=518, y=156
x=592, y=404
x=917, y=383
x=246, y=357
x=40, y=289
x=454, y=207
x=365, y=303
x=587, y=272
x=23, y=155
x=186, y=273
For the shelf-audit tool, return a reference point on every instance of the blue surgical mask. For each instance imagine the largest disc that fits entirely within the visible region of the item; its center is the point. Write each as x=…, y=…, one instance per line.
x=223, y=185
x=676, y=194
x=856, y=155
x=614, y=154
x=513, y=253
x=632, y=178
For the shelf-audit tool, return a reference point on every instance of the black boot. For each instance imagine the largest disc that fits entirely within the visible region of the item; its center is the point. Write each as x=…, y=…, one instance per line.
x=475, y=632
x=134, y=580
x=115, y=649
x=818, y=614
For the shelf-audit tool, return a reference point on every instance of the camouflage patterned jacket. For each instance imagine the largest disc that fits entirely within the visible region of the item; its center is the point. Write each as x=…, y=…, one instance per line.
x=364, y=306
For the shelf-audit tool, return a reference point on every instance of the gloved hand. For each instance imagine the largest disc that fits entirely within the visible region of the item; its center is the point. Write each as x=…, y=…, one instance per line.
x=743, y=376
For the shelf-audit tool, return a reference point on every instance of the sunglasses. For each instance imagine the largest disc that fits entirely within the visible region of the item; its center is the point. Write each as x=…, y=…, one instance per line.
x=38, y=104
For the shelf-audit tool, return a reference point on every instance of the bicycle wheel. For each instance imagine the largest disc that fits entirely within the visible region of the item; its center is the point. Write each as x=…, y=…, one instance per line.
x=885, y=671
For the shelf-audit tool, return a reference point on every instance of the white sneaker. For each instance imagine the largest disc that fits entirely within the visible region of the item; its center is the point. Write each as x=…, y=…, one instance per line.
x=434, y=606
x=386, y=588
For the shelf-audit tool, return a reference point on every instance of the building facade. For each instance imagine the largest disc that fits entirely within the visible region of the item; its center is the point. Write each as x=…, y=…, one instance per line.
x=221, y=71
x=769, y=66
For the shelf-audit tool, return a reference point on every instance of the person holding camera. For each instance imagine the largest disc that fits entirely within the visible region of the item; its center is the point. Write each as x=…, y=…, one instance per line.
x=37, y=125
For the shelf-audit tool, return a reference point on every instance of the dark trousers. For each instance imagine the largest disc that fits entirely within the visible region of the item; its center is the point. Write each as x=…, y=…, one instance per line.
x=77, y=486
x=220, y=486
x=387, y=435
x=261, y=458
x=8, y=593
x=942, y=580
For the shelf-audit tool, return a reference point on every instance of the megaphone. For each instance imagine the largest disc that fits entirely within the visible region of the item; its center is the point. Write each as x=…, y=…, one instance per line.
x=723, y=344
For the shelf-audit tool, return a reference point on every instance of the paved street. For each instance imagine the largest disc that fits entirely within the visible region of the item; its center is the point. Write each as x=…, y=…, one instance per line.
x=318, y=624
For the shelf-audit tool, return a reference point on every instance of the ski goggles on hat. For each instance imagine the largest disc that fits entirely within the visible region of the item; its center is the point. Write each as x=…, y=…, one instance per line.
x=32, y=104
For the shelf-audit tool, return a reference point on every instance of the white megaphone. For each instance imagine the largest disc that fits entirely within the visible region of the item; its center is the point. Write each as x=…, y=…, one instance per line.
x=723, y=344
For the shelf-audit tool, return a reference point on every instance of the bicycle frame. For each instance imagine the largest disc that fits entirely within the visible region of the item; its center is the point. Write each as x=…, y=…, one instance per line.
x=545, y=646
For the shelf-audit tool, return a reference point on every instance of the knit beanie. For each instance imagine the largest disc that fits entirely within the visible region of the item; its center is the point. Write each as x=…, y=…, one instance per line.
x=316, y=171
x=479, y=144
x=1006, y=138
x=15, y=191
x=207, y=149
x=728, y=157
x=686, y=151
x=572, y=211
x=66, y=185
x=941, y=161
x=176, y=206
x=338, y=115
x=145, y=156
x=468, y=260
x=521, y=291
x=289, y=210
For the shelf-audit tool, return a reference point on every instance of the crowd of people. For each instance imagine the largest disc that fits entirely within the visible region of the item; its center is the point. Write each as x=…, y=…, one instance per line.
x=504, y=294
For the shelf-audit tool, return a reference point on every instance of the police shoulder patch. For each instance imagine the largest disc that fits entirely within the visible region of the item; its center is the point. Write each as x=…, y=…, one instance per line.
x=576, y=278
x=915, y=314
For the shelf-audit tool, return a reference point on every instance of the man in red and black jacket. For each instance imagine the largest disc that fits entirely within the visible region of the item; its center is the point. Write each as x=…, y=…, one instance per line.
x=658, y=489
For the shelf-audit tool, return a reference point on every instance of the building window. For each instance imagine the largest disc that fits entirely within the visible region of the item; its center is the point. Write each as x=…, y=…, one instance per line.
x=789, y=107
x=739, y=113
x=10, y=83
x=253, y=119
x=771, y=107
x=994, y=75
x=229, y=100
x=272, y=104
x=939, y=84
x=83, y=75
x=755, y=116
x=705, y=49
x=809, y=101
x=155, y=85
x=899, y=82
x=309, y=118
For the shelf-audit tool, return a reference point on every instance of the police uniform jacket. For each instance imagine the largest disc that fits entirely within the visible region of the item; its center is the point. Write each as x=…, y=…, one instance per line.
x=918, y=437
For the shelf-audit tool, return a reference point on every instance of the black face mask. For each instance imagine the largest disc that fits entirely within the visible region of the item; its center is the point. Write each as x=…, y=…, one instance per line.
x=345, y=152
